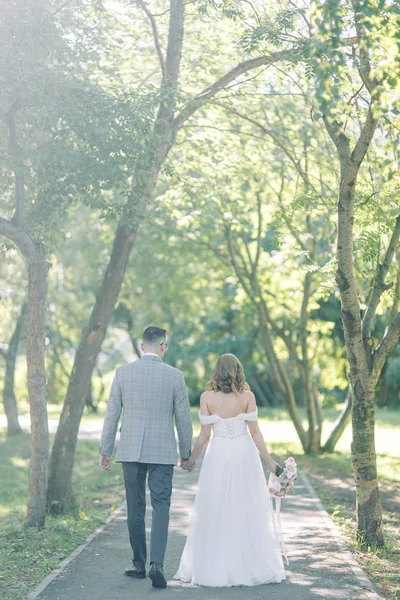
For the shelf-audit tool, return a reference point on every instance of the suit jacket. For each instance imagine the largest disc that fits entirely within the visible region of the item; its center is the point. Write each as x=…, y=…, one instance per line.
x=151, y=393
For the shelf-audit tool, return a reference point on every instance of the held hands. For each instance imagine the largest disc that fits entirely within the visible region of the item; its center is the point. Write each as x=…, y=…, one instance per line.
x=188, y=465
x=105, y=462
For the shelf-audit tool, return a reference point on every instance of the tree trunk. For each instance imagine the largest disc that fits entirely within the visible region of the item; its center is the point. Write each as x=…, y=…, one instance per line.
x=369, y=512
x=256, y=388
x=314, y=430
x=265, y=389
x=35, y=357
x=340, y=424
x=270, y=393
x=135, y=344
x=89, y=403
x=279, y=375
x=60, y=494
x=359, y=356
x=35, y=256
x=9, y=400
x=318, y=410
x=381, y=399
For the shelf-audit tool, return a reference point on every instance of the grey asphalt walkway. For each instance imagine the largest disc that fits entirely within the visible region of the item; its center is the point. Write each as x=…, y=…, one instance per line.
x=319, y=567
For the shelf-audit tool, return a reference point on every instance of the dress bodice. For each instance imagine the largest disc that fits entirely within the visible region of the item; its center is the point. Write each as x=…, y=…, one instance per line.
x=231, y=427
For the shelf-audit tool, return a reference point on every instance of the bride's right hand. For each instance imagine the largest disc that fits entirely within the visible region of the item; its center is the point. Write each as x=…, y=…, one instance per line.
x=188, y=464
x=272, y=466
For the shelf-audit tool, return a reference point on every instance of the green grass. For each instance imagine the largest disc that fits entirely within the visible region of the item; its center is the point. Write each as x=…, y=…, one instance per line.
x=27, y=555
x=387, y=426
x=332, y=477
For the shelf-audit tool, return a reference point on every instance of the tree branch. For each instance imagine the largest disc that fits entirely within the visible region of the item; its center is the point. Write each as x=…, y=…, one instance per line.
x=164, y=125
x=143, y=6
x=379, y=285
x=396, y=297
x=274, y=138
x=175, y=42
x=363, y=142
x=234, y=263
x=19, y=213
x=340, y=139
x=388, y=341
x=288, y=221
x=60, y=363
x=259, y=235
x=20, y=238
x=61, y=7
x=231, y=75
x=248, y=270
x=364, y=68
x=149, y=76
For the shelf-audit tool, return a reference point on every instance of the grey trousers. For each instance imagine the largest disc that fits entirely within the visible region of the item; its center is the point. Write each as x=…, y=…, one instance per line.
x=160, y=484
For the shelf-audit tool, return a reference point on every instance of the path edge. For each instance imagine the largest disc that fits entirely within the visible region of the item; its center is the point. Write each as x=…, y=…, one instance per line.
x=63, y=564
x=348, y=556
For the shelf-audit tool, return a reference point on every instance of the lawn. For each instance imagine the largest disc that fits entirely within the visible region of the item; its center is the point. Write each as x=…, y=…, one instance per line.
x=27, y=556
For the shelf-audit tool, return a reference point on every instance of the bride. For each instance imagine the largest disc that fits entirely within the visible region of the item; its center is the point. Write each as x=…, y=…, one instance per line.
x=232, y=537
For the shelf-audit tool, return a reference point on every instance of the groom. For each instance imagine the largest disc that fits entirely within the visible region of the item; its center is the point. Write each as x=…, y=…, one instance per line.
x=151, y=393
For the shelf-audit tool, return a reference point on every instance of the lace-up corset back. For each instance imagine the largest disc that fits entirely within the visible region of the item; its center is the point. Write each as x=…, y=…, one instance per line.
x=231, y=427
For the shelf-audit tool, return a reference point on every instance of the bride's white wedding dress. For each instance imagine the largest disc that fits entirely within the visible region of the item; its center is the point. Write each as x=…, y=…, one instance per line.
x=232, y=538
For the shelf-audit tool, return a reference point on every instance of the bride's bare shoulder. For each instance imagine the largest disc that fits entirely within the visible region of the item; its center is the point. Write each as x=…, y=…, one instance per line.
x=250, y=400
x=207, y=394
x=204, y=409
x=248, y=394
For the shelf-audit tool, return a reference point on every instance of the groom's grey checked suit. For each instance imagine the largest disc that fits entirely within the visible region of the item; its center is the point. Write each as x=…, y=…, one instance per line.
x=150, y=393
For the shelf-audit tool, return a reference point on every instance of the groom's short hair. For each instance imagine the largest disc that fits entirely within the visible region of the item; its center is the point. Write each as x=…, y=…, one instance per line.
x=152, y=334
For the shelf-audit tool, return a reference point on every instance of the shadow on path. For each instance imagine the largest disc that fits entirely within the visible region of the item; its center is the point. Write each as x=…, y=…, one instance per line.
x=317, y=570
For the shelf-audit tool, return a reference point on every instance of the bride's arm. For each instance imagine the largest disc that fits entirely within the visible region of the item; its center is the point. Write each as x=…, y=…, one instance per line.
x=257, y=436
x=202, y=440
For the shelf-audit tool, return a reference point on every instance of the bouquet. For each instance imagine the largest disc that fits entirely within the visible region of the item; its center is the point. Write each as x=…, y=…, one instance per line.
x=279, y=483
x=282, y=481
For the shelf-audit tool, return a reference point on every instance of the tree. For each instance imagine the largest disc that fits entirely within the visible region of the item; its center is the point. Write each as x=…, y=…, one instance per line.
x=350, y=52
x=374, y=84
x=263, y=185
x=165, y=127
x=34, y=253
x=10, y=358
x=62, y=131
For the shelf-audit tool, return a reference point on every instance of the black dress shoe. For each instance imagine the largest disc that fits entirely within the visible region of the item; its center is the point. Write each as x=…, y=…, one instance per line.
x=156, y=575
x=134, y=572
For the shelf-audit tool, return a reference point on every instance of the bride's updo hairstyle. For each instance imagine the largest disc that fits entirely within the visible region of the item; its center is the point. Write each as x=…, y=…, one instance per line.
x=228, y=376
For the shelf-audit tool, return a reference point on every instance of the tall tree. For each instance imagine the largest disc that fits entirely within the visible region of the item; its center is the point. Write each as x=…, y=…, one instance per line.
x=167, y=123
x=267, y=184
x=34, y=253
x=62, y=131
x=376, y=35
x=351, y=50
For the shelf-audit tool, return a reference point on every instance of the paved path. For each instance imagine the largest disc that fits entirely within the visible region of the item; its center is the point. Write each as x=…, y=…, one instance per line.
x=319, y=568
x=90, y=430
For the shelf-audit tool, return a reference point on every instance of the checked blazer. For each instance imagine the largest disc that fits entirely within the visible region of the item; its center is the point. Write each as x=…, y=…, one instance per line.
x=150, y=394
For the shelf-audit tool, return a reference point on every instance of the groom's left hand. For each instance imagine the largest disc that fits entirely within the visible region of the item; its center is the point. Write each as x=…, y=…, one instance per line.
x=105, y=462
x=188, y=465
